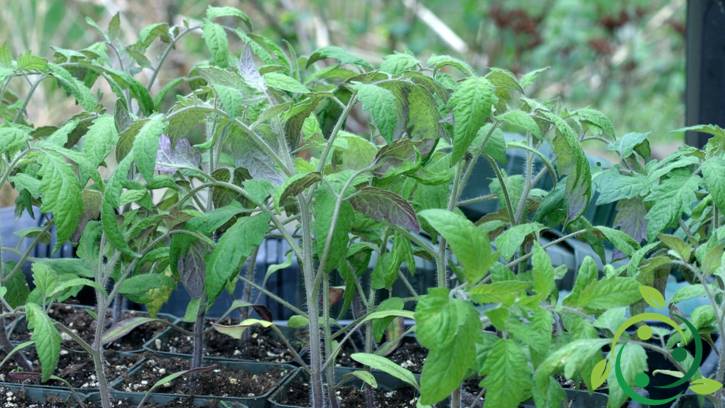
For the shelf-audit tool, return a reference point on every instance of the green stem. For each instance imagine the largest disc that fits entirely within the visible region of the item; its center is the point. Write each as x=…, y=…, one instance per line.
x=166, y=52
x=504, y=188
x=27, y=101
x=335, y=131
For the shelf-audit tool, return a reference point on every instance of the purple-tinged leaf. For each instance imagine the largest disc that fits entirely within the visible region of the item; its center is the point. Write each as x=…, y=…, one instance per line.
x=169, y=158
x=249, y=72
x=125, y=327
x=631, y=218
x=387, y=206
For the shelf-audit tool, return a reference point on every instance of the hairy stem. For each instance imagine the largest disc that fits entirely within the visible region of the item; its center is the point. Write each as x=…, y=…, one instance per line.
x=528, y=178
x=97, y=346
x=308, y=272
x=98, y=359
x=329, y=370
x=198, y=352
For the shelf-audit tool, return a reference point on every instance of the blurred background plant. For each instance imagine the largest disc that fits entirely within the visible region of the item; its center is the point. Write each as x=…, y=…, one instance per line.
x=626, y=58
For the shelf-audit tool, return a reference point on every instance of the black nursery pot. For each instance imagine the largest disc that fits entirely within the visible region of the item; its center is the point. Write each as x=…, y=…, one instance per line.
x=258, y=401
x=42, y=395
x=161, y=400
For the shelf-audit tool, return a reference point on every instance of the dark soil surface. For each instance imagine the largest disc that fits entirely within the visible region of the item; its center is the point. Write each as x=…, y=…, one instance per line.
x=216, y=381
x=76, y=368
x=410, y=355
x=297, y=393
x=261, y=345
x=82, y=321
x=470, y=394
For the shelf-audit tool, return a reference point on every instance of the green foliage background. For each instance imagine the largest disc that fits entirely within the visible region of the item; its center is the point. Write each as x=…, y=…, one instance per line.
x=624, y=57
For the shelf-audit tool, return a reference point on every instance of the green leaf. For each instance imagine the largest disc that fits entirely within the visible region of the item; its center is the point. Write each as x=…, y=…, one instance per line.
x=146, y=146
x=671, y=198
x=398, y=63
x=76, y=88
x=620, y=239
x=150, y=32
x=111, y=201
x=124, y=327
x=216, y=12
x=533, y=330
x=17, y=288
x=13, y=138
x=505, y=291
x=705, y=386
x=379, y=326
x=382, y=106
x=520, y=122
x=630, y=143
x=652, y=296
x=100, y=139
x=366, y=377
x=468, y=244
x=634, y=361
x=336, y=53
x=508, y=242
x=46, y=338
x=355, y=152
x=60, y=136
x=283, y=82
x=682, y=249
x=216, y=41
x=385, y=365
x=572, y=163
x=438, y=317
x=298, y=322
x=529, y=78
x=61, y=192
x=232, y=250
x=508, y=375
x=505, y=82
x=237, y=331
x=688, y=292
x=610, y=292
x=572, y=358
x=471, y=104
x=324, y=207
x=296, y=185
x=597, y=119
x=713, y=172
x=542, y=271
x=586, y=275
x=231, y=99
x=613, y=186
x=449, y=328
x=440, y=61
